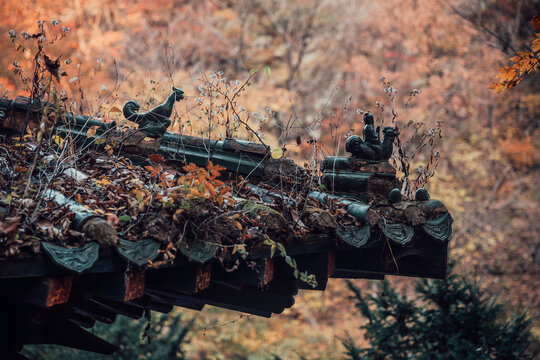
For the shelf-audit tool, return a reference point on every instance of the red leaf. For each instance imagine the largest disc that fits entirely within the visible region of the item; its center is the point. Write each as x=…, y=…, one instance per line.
x=155, y=158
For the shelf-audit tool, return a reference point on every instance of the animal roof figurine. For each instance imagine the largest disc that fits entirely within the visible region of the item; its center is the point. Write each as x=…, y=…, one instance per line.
x=371, y=148
x=155, y=122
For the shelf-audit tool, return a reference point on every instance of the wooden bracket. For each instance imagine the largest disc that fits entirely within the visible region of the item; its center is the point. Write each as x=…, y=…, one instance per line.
x=188, y=279
x=44, y=292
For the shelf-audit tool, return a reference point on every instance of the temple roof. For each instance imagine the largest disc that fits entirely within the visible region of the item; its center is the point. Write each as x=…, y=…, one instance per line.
x=133, y=224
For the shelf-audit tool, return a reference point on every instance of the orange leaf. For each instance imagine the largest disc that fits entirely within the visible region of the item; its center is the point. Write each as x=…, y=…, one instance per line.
x=102, y=183
x=224, y=190
x=156, y=264
x=515, y=58
x=237, y=225
x=210, y=189
x=218, y=183
x=91, y=131
x=214, y=170
x=535, y=46
x=78, y=198
x=155, y=158
x=177, y=214
x=139, y=194
x=506, y=74
x=153, y=171
x=190, y=168
x=109, y=150
x=194, y=192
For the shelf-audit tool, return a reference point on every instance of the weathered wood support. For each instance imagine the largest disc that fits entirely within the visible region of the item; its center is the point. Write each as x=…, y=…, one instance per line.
x=95, y=310
x=284, y=281
x=61, y=331
x=122, y=287
x=248, y=299
x=320, y=264
x=128, y=310
x=188, y=279
x=353, y=274
x=257, y=273
x=44, y=292
x=81, y=318
x=425, y=259
x=161, y=303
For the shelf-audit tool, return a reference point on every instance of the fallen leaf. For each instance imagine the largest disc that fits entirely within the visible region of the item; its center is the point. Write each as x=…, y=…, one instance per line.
x=10, y=225
x=155, y=158
x=91, y=131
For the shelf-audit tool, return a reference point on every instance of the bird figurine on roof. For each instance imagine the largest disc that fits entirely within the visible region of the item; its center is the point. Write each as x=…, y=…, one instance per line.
x=371, y=148
x=155, y=122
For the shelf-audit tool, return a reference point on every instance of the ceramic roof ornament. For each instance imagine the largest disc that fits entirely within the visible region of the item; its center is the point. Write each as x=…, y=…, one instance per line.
x=394, y=196
x=371, y=148
x=367, y=172
x=421, y=194
x=155, y=122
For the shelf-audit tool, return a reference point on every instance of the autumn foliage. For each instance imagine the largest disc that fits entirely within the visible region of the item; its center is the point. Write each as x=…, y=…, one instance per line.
x=525, y=62
x=420, y=65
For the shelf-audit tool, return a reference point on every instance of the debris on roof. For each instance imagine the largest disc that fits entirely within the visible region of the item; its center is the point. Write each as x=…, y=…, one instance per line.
x=97, y=220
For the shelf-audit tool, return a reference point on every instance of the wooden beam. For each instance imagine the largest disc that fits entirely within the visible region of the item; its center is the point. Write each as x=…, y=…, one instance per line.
x=64, y=332
x=120, y=286
x=428, y=260
x=188, y=279
x=44, y=292
x=257, y=273
x=248, y=300
x=283, y=281
x=353, y=274
x=179, y=299
x=230, y=306
x=425, y=259
x=57, y=290
x=131, y=311
x=95, y=310
x=134, y=284
x=368, y=260
x=319, y=264
x=331, y=262
x=81, y=318
x=15, y=356
x=163, y=304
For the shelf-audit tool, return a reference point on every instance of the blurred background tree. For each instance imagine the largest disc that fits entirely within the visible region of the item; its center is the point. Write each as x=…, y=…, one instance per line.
x=447, y=319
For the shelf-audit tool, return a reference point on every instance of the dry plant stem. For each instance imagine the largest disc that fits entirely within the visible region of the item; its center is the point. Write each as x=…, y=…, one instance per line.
x=55, y=172
x=230, y=103
x=116, y=85
x=31, y=169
